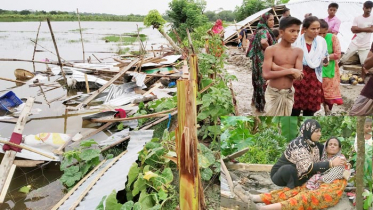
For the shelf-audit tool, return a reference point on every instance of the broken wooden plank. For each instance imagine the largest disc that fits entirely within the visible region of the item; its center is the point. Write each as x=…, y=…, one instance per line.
x=7, y=183
x=27, y=163
x=7, y=162
x=249, y=167
x=117, y=76
x=236, y=154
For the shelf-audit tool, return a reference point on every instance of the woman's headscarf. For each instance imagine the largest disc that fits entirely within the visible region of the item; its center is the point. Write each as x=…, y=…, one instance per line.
x=255, y=45
x=218, y=27
x=302, y=151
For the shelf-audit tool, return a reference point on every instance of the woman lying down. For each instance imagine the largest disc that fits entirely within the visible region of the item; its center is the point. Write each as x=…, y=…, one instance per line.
x=321, y=191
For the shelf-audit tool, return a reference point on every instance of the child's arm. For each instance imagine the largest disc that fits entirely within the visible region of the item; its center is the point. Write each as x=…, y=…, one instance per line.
x=267, y=67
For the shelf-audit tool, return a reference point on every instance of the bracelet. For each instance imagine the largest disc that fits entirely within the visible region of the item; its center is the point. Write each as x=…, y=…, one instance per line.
x=330, y=164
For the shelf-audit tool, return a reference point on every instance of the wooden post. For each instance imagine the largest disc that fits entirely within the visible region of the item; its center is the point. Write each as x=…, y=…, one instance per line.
x=360, y=162
x=7, y=162
x=86, y=83
x=55, y=46
x=191, y=191
x=81, y=36
x=36, y=42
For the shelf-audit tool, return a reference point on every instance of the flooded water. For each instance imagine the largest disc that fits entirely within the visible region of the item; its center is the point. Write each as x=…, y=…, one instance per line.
x=15, y=43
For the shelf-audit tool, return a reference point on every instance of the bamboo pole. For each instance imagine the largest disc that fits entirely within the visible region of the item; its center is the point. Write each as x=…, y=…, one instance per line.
x=44, y=49
x=97, y=58
x=158, y=114
x=9, y=156
x=58, y=55
x=86, y=83
x=81, y=35
x=27, y=148
x=360, y=162
x=12, y=80
x=36, y=42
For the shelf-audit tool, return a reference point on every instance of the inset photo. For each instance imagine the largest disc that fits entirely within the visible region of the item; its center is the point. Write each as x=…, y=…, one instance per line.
x=296, y=163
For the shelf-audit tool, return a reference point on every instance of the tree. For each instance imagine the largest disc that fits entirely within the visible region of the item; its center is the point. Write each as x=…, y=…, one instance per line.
x=226, y=15
x=155, y=19
x=211, y=15
x=25, y=12
x=248, y=8
x=186, y=14
x=360, y=162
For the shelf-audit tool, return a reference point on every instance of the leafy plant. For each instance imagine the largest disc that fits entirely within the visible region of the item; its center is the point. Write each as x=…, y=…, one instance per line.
x=149, y=180
x=77, y=163
x=154, y=19
x=216, y=103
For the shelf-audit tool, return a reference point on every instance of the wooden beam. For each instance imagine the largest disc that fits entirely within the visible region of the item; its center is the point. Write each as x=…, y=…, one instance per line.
x=7, y=183
x=27, y=163
x=236, y=154
x=7, y=162
x=249, y=167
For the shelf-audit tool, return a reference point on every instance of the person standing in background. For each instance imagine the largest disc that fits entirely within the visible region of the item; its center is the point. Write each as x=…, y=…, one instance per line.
x=333, y=22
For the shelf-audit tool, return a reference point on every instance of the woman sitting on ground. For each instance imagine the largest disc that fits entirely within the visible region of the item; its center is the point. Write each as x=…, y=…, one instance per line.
x=323, y=190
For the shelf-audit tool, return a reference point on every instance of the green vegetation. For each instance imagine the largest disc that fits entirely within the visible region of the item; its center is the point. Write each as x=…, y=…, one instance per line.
x=186, y=14
x=125, y=39
x=78, y=162
x=154, y=19
x=268, y=137
x=250, y=7
x=78, y=30
x=26, y=15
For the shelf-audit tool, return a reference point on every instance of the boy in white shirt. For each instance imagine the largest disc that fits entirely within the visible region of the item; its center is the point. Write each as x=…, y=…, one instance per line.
x=362, y=27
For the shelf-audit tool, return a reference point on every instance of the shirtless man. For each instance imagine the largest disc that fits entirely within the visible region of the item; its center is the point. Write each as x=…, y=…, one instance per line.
x=282, y=64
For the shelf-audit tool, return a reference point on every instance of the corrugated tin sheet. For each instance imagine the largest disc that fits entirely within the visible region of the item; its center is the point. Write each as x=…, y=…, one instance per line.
x=232, y=30
x=347, y=11
x=114, y=178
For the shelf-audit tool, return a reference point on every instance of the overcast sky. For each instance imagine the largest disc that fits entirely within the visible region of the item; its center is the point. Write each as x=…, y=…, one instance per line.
x=119, y=7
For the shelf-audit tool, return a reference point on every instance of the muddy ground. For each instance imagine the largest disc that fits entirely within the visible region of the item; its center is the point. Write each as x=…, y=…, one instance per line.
x=240, y=66
x=260, y=182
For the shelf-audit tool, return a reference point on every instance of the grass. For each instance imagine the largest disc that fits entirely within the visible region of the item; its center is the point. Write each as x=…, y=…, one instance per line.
x=77, y=40
x=78, y=30
x=125, y=39
x=123, y=51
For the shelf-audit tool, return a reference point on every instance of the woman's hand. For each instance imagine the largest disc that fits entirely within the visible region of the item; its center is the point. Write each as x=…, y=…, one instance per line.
x=338, y=161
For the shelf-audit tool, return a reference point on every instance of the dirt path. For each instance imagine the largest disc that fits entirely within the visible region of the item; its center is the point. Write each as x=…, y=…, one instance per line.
x=260, y=182
x=240, y=66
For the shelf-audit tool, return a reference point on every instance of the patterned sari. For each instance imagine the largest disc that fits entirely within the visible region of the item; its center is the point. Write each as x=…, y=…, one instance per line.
x=256, y=54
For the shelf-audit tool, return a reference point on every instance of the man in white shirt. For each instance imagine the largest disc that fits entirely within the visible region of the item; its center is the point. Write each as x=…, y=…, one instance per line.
x=362, y=27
